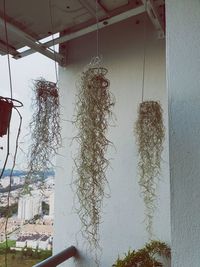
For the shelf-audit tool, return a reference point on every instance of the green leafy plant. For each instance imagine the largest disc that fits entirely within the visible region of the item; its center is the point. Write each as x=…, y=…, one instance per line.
x=149, y=131
x=93, y=111
x=145, y=257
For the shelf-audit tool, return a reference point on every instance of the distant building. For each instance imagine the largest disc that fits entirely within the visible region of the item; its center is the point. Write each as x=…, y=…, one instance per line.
x=21, y=242
x=29, y=206
x=44, y=242
x=16, y=180
x=5, y=181
x=32, y=229
x=33, y=241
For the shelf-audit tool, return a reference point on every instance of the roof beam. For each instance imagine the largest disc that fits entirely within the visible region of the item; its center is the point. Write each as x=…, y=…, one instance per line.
x=5, y=48
x=92, y=28
x=154, y=17
x=31, y=42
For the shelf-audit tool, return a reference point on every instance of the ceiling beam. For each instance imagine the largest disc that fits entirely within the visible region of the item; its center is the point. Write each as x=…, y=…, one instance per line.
x=5, y=48
x=154, y=17
x=92, y=28
x=31, y=42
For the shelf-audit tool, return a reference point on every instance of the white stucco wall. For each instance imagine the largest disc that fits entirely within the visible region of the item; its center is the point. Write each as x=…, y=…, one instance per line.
x=183, y=70
x=122, y=228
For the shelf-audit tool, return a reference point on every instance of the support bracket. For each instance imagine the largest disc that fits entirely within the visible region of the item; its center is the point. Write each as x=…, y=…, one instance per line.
x=155, y=18
x=31, y=42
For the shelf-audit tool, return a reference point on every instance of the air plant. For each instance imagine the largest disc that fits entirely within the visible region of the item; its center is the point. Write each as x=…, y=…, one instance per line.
x=93, y=112
x=150, y=136
x=45, y=127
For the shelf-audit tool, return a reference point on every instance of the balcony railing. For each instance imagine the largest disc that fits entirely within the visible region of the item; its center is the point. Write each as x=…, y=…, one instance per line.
x=57, y=259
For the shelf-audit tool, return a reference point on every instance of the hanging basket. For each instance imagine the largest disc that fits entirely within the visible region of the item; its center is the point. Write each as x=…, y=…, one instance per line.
x=5, y=115
x=6, y=105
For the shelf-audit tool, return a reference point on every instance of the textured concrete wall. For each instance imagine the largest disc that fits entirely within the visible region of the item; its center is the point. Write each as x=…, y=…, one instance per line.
x=122, y=228
x=183, y=68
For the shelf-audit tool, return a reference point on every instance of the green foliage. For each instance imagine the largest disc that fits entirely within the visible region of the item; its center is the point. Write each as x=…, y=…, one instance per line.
x=35, y=253
x=11, y=243
x=26, y=257
x=8, y=211
x=45, y=208
x=145, y=257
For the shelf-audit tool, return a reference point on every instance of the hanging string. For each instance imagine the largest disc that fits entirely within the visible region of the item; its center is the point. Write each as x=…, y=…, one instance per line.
x=53, y=41
x=96, y=60
x=144, y=49
x=7, y=48
x=8, y=135
x=10, y=181
x=11, y=93
x=97, y=30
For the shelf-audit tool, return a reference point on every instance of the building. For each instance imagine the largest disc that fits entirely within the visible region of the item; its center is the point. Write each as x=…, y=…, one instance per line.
x=44, y=243
x=5, y=182
x=21, y=242
x=33, y=229
x=171, y=76
x=32, y=241
x=29, y=206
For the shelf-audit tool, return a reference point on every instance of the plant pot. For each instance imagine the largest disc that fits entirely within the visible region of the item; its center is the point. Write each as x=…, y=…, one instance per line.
x=5, y=115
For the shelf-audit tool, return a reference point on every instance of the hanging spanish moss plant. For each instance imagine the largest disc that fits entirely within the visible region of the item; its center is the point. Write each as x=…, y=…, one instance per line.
x=150, y=136
x=93, y=111
x=45, y=127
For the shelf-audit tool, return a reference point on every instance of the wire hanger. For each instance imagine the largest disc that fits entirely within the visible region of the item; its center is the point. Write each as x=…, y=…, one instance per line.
x=144, y=50
x=53, y=40
x=97, y=60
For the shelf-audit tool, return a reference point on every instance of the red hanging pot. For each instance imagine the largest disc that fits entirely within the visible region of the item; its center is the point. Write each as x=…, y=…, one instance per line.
x=5, y=115
x=6, y=105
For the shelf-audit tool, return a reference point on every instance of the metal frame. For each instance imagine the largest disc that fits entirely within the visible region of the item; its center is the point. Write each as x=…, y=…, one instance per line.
x=31, y=42
x=44, y=48
x=5, y=48
x=154, y=17
x=92, y=28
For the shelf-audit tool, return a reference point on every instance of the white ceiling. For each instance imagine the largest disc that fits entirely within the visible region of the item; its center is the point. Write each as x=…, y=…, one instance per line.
x=29, y=21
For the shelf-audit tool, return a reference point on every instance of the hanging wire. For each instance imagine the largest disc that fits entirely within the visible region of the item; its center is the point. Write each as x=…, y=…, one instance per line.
x=11, y=94
x=97, y=30
x=8, y=133
x=53, y=41
x=10, y=181
x=96, y=60
x=144, y=49
x=7, y=47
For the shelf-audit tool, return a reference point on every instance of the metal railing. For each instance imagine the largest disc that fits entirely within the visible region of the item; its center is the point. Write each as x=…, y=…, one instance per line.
x=55, y=260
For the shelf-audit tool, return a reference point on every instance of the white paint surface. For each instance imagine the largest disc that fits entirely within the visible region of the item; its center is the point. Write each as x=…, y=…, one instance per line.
x=183, y=68
x=122, y=228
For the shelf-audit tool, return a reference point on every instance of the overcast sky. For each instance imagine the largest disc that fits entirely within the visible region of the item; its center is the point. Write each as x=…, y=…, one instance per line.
x=24, y=71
